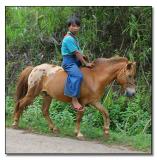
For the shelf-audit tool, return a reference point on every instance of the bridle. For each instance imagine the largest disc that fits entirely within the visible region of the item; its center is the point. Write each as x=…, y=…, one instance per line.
x=122, y=74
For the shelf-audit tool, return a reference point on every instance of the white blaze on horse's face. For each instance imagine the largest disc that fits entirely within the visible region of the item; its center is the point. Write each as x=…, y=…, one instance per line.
x=126, y=78
x=129, y=92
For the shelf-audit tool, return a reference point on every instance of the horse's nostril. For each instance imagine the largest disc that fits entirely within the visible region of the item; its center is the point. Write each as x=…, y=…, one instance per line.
x=129, y=94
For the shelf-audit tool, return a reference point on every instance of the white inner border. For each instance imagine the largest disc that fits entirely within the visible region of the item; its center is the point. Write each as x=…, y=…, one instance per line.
x=70, y=3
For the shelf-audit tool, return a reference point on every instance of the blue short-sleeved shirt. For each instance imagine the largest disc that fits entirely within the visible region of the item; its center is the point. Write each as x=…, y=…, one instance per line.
x=70, y=44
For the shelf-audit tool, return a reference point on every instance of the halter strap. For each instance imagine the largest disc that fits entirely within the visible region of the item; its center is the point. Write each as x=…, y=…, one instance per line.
x=123, y=76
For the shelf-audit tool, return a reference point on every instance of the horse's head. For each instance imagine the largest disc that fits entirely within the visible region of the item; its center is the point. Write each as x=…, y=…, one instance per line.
x=126, y=78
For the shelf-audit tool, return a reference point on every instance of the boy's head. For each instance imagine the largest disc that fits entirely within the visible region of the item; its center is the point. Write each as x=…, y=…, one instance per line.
x=74, y=24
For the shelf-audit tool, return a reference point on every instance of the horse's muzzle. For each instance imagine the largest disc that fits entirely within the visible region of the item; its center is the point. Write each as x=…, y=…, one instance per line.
x=129, y=92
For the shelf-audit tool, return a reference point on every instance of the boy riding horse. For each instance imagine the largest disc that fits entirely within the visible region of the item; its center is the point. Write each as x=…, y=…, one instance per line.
x=72, y=60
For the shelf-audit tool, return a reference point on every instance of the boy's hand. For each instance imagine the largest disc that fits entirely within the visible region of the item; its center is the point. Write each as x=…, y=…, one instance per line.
x=90, y=65
x=83, y=61
x=85, y=58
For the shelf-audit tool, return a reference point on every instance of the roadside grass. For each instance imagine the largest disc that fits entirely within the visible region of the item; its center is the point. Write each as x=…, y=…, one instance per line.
x=33, y=121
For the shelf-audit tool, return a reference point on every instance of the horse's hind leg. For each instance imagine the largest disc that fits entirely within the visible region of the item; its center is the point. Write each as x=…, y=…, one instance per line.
x=45, y=109
x=21, y=105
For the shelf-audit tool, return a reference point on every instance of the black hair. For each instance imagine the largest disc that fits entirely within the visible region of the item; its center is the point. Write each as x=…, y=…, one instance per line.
x=73, y=20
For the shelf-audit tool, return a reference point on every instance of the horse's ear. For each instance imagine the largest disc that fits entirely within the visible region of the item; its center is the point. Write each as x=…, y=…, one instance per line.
x=134, y=63
x=129, y=65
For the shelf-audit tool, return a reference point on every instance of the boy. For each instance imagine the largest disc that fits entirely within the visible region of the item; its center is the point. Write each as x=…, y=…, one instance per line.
x=72, y=60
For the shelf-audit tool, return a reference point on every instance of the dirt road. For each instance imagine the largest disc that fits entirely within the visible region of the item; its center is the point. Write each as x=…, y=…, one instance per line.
x=19, y=141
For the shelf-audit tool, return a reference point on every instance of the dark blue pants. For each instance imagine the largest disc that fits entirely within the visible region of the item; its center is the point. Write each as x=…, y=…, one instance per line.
x=73, y=82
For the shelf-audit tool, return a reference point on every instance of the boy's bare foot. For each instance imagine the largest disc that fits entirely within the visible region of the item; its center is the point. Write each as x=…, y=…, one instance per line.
x=76, y=105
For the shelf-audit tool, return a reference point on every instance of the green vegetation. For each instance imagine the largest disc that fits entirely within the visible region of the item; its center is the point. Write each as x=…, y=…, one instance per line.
x=33, y=36
x=92, y=123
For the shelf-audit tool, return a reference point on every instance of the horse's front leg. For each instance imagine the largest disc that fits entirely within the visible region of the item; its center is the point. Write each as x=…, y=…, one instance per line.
x=78, y=133
x=105, y=114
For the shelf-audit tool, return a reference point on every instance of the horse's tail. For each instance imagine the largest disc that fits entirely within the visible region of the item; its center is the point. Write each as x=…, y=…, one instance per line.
x=22, y=84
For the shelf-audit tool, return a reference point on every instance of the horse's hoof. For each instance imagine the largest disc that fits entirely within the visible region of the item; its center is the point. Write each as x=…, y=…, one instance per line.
x=106, y=132
x=75, y=132
x=106, y=135
x=80, y=137
x=55, y=130
x=15, y=125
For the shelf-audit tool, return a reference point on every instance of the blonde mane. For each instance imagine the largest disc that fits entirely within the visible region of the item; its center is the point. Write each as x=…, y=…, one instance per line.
x=111, y=60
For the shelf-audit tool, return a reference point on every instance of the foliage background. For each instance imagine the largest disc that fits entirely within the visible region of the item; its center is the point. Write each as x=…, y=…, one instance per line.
x=34, y=35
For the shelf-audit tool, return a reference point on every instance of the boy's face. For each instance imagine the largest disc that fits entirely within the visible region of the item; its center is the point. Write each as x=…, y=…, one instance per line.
x=74, y=28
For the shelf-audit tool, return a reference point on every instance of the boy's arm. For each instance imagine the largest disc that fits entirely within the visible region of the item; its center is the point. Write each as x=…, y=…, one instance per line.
x=71, y=45
x=82, y=59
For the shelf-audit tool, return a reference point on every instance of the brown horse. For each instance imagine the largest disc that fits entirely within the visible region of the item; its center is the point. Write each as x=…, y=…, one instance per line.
x=49, y=80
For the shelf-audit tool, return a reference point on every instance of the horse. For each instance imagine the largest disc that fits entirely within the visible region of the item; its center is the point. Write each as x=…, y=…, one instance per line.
x=49, y=80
